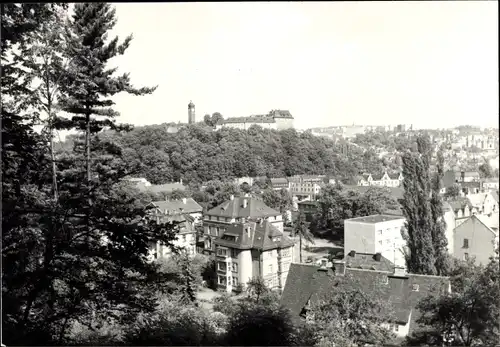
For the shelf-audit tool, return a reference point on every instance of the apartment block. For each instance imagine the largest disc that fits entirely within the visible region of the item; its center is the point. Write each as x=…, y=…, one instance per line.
x=250, y=250
x=236, y=210
x=376, y=234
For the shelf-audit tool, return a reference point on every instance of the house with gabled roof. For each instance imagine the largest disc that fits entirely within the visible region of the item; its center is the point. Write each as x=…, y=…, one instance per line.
x=249, y=250
x=279, y=183
x=484, y=203
x=382, y=180
x=307, y=284
x=236, y=210
x=474, y=238
x=186, y=213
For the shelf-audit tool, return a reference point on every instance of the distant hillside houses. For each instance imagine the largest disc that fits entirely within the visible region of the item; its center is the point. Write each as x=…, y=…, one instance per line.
x=145, y=186
x=275, y=119
x=384, y=180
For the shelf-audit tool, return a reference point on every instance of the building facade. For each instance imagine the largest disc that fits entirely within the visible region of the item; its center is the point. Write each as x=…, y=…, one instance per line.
x=275, y=119
x=474, y=239
x=236, y=210
x=376, y=234
x=250, y=250
x=187, y=213
x=384, y=180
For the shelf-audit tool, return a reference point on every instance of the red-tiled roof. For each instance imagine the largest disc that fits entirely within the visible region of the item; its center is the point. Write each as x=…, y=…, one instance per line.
x=235, y=208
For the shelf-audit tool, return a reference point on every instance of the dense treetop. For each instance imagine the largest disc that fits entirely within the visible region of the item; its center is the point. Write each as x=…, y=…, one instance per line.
x=197, y=153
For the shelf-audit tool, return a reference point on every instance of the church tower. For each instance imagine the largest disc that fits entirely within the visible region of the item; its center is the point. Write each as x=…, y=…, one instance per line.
x=191, y=118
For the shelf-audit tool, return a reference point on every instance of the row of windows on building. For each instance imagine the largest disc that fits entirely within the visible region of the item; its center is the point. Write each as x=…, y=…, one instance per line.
x=237, y=220
x=223, y=266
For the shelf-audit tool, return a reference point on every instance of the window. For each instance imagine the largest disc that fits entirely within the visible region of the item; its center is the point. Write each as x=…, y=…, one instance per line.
x=380, y=242
x=221, y=279
x=217, y=231
x=234, y=253
x=184, y=238
x=222, y=266
x=285, y=252
x=221, y=251
x=466, y=243
x=234, y=267
x=396, y=327
x=270, y=268
x=466, y=256
x=235, y=281
x=415, y=288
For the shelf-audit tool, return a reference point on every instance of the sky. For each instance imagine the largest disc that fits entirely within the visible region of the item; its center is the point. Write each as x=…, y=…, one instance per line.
x=431, y=64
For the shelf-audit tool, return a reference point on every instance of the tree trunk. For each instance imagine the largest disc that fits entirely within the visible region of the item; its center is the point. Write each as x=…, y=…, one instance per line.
x=87, y=144
x=300, y=248
x=52, y=155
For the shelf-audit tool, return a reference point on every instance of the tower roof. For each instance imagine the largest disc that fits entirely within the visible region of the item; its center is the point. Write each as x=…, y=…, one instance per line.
x=190, y=104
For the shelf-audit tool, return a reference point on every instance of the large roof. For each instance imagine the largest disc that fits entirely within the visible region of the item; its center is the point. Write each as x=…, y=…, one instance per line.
x=377, y=218
x=236, y=208
x=263, y=236
x=308, y=282
x=252, y=119
x=368, y=261
x=186, y=205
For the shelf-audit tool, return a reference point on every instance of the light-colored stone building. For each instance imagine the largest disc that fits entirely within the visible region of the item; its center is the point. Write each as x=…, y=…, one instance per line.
x=250, y=250
x=236, y=210
x=376, y=234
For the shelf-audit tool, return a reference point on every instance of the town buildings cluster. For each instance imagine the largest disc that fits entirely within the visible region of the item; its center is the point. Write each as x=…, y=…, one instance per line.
x=247, y=239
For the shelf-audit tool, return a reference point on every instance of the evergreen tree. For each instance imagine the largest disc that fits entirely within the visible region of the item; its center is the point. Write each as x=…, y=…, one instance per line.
x=416, y=209
x=189, y=281
x=438, y=223
x=301, y=229
x=88, y=83
x=422, y=208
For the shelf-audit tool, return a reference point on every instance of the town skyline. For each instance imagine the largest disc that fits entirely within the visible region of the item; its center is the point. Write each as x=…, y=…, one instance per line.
x=327, y=63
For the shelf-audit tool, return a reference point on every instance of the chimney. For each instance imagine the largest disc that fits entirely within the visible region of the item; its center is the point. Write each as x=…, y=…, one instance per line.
x=352, y=253
x=399, y=271
x=232, y=197
x=339, y=267
x=184, y=201
x=377, y=257
x=245, y=203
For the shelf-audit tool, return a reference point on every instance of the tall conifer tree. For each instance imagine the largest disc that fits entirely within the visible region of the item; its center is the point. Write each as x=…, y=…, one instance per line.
x=421, y=257
x=89, y=83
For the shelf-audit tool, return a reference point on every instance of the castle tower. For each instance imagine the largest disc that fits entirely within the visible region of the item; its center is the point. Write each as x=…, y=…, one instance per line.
x=191, y=115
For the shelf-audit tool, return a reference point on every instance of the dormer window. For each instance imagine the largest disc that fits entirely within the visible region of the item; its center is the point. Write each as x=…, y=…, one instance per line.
x=415, y=288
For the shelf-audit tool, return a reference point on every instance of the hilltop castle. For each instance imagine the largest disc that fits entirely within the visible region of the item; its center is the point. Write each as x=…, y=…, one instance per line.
x=275, y=119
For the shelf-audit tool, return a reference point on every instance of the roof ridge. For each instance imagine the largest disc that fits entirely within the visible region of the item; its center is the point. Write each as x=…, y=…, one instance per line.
x=483, y=223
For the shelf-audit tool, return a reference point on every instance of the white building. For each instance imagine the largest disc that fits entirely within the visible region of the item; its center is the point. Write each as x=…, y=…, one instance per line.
x=187, y=213
x=250, y=250
x=474, y=238
x=384, y=180
x=275, y=119
x=376, y=234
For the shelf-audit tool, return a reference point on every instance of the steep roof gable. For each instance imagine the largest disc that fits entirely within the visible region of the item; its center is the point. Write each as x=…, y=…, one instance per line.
x=187, y=205
x=306, y=282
